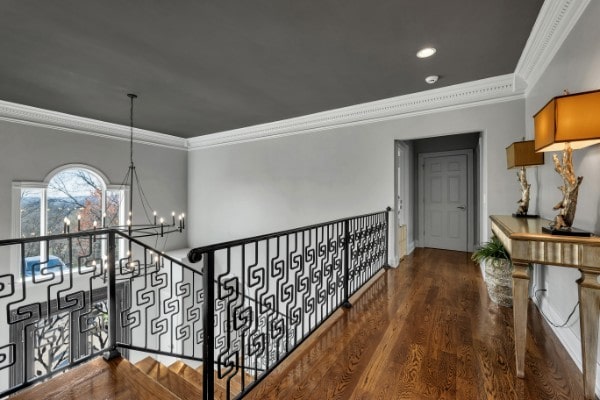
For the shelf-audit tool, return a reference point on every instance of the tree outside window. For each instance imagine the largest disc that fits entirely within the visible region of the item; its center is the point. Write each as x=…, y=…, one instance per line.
x=78, y=194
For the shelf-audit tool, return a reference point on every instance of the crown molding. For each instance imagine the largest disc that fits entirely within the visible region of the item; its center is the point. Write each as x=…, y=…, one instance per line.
x=554, y=23
x=485, y=91
x=27, y=115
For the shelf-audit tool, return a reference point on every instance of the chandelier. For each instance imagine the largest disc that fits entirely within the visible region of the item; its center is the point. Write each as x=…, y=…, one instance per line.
x=155, y=225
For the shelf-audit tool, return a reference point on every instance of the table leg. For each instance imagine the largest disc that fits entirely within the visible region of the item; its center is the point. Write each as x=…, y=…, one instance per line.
x=520, y=299
x=589, y=308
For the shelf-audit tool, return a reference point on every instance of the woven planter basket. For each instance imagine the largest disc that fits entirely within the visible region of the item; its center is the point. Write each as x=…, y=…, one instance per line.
x=498, y=279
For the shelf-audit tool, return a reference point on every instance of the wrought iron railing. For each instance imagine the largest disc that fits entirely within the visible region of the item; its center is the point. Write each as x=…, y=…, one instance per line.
x=267, y=294
x=69, y=298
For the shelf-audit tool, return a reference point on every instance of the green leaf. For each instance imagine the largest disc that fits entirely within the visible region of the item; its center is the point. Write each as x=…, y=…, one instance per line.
x=492, y=249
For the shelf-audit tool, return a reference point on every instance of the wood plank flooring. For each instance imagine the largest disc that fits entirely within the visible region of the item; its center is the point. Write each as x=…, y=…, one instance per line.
x=425, y=330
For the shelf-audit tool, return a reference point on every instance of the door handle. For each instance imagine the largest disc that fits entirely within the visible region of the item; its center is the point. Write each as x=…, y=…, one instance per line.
x=461, y=207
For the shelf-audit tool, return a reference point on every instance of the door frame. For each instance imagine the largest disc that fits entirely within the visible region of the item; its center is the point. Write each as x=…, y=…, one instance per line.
x=469, y=245
x=401, y=160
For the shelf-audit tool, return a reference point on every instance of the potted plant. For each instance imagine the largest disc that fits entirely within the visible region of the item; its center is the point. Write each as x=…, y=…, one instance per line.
x=498, y=270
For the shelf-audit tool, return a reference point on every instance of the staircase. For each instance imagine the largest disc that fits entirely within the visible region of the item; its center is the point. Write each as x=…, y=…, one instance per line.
x=186, y=382
x=121, y=380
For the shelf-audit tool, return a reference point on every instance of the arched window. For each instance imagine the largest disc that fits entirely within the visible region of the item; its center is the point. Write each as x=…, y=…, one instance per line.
x=77, y=193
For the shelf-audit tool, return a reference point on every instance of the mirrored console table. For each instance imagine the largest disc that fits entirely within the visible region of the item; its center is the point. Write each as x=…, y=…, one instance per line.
x=526, y=244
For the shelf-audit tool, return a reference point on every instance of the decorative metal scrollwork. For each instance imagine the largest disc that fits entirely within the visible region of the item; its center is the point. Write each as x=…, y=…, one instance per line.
x=273, y=292
x=265, y=297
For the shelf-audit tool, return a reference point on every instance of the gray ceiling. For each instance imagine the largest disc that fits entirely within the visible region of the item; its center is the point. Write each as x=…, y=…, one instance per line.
x=201, y=67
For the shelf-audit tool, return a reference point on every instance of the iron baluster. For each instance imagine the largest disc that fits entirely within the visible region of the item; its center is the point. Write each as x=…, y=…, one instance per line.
x=387, y=238
x=346, y=303
x=112, y=299
x=208, y=345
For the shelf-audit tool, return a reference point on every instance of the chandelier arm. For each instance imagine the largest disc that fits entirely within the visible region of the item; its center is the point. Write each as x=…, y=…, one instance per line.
x=143, y=199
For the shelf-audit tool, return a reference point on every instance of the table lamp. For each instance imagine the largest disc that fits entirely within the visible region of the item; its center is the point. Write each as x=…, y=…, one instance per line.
x=522, y=154
x=567, y=123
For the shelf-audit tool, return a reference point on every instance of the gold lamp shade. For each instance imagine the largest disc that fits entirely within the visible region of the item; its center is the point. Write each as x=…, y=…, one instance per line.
x=522, y=154
x=572, y=118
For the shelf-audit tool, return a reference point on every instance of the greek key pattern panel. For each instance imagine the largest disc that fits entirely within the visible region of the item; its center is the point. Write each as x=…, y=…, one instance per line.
x=53, y=301
x=368, y=248
x=162, y=311
x=271, y=293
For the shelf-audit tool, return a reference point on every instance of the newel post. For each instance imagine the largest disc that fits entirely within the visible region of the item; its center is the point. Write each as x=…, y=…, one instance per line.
x=386, y=263
x=208, y=342
x=113, y=318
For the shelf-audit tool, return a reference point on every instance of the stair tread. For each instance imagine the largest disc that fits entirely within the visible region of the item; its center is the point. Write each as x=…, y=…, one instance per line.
x=187, y=372
x=194, y=376
x=169, y=379
x=98, y=379
x=235, y=382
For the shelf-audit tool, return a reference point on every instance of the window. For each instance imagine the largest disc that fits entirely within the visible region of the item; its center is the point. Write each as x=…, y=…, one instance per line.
x=77, y=193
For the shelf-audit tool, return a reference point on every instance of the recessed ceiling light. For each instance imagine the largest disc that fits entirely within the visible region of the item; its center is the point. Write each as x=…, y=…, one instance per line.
x=431, y=79
x=426, y=52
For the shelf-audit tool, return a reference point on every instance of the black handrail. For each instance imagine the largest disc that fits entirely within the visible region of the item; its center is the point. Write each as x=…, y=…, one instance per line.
x=238, y=242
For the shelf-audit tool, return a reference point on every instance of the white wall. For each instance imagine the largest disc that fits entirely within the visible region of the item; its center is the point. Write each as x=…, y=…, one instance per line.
x=258, y=187
x=29, y=153
x=576, y=68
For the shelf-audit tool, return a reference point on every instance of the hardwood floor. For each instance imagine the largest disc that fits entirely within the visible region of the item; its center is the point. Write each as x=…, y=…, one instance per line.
x=425, y=330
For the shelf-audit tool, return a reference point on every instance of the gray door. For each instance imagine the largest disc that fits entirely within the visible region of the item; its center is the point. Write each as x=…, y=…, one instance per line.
x=445, y=202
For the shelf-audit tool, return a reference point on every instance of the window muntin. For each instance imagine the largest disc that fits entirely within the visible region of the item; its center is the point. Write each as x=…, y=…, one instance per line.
x=30, y=209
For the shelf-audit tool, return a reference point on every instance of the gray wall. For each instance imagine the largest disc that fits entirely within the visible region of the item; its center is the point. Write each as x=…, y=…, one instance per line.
x=575, y=67
x=30, y=153
x=263, y=186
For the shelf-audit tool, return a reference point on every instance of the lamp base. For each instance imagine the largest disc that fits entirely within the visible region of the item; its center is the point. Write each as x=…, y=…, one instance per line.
x=525, y=215
x=566, y=232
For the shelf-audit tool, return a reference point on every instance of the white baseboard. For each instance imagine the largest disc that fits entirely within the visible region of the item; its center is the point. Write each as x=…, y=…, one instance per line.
x=409, y=249
x=566, y=336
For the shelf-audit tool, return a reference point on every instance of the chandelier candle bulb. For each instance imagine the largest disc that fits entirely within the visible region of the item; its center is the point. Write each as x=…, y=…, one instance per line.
x=68, y=225
x=183, y=220
x=162, y=227
x=78, y=222
x=154, y=217
x=173, y=216
x=180, y=223
x=65, y=225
